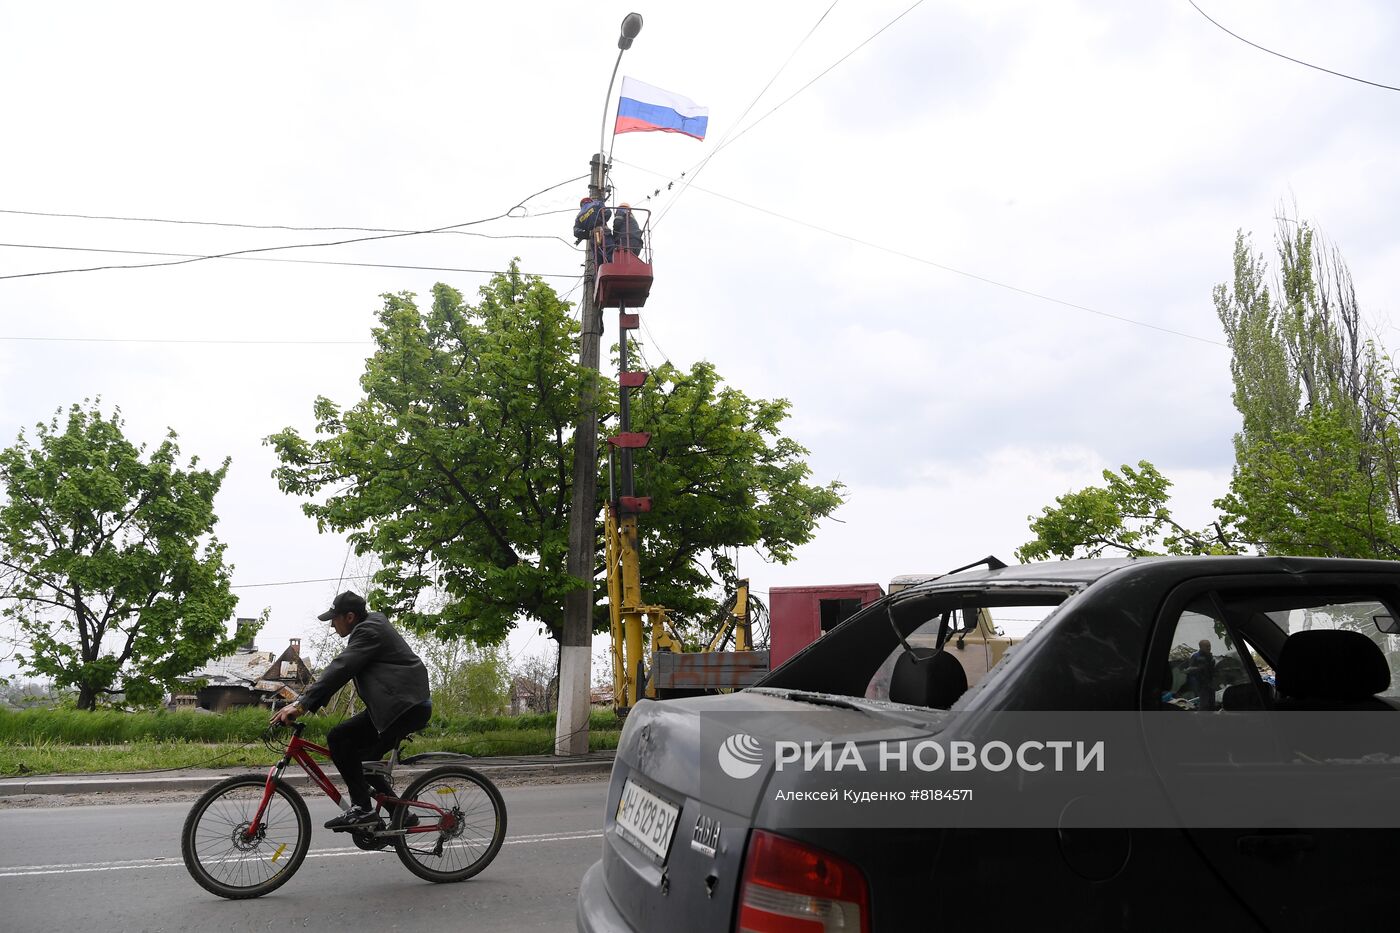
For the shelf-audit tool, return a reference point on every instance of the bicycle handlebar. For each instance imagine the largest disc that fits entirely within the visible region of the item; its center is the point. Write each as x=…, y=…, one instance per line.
x=273, y=728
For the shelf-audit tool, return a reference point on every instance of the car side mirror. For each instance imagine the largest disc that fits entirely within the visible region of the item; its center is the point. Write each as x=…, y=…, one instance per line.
x=1387, y=624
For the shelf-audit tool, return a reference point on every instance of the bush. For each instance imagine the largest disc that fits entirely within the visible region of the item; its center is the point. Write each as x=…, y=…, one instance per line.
x=466, y=680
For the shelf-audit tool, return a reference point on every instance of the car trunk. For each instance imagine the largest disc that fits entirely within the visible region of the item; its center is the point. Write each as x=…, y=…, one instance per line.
x=670, y=756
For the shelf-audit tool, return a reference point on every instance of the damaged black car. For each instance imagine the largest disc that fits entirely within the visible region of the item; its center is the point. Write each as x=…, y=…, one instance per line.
x=1177, y=744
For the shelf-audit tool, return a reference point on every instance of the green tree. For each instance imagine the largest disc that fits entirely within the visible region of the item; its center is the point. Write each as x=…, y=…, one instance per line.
x=121, y=586
x=1317, y=456
x=455, y=466
x=466, y=679
x=721, y=475
x=1126, y=517
x=535, y=680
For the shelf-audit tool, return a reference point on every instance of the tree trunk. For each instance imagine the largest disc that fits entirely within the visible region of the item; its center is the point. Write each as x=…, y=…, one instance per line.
x=87, y=698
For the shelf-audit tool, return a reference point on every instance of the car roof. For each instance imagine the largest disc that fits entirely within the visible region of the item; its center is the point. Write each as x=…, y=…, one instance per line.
x=1066, y=571
x=1080, y=573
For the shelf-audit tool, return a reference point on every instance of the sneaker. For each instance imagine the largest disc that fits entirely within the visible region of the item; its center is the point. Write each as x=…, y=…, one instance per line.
x=354, y=818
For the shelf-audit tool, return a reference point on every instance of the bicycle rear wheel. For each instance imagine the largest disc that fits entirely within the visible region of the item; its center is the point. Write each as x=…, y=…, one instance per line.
x=479, y=825
x=223, y=860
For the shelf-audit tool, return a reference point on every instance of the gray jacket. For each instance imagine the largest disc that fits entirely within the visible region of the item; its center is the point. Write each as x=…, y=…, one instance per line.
x=388, y=676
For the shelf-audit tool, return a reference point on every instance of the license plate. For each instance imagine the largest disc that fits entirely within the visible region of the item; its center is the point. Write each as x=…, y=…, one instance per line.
x=645, y=820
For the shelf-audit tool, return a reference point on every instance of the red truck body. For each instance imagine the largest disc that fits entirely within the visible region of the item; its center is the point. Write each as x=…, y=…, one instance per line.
x=798, y=615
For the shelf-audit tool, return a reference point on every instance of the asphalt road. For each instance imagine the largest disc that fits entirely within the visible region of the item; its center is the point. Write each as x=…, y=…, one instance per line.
x=118, y=867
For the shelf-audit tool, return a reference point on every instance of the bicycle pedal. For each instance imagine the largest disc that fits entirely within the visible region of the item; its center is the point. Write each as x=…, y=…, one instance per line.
x=376, y=827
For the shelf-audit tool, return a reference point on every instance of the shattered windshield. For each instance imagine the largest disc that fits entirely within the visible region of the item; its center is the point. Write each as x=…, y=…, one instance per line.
x=857, y=658
x=977, y=638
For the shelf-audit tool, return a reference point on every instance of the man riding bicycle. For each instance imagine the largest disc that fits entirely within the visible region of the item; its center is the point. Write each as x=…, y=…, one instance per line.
x=392, y=681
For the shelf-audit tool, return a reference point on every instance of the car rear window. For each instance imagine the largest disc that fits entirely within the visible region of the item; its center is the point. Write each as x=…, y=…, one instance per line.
x=986, y=634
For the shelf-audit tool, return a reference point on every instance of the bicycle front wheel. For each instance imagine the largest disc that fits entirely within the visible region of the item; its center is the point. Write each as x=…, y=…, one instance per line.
x=479, y=825
x=228, y=862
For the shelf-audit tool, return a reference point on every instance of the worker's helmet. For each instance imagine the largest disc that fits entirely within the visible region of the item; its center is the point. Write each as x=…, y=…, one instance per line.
x=584, y=200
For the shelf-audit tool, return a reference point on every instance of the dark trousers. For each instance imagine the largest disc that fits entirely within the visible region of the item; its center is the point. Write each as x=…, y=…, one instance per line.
x=355, y=740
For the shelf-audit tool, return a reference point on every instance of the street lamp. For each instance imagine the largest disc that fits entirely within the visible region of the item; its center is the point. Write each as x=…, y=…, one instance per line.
x=631, y=25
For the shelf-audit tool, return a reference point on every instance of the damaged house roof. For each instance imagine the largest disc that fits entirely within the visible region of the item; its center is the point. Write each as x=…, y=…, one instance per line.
x=243, y=669
x=262, y=671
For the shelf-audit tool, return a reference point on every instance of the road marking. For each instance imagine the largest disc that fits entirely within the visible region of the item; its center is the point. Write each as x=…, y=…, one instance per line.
x=74, y=868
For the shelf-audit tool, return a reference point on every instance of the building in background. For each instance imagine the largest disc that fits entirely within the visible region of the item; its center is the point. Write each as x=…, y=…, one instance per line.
x=248, y=677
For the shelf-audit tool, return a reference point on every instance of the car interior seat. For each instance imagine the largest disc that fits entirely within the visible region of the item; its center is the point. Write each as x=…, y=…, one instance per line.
x=927, y=677
x=1331, y=669
x=1242, y=697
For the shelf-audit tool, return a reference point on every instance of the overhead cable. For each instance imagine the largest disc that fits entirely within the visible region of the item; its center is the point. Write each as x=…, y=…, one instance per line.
x=804, y=87
x=269, y=249
x=309, y=262
x=336, y=580
x=947, y=268
x=192, y=341
x=740, y=119
x=1289, y=58
x=319, y=229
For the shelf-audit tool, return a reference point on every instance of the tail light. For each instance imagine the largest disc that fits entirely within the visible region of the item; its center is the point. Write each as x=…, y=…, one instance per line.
x=790, y=887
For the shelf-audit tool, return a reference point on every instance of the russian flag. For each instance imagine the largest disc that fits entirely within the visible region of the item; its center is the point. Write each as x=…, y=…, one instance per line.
x=646, y=109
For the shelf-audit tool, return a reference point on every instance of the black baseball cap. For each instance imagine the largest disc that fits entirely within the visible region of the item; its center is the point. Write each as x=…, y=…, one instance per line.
x=345, y=602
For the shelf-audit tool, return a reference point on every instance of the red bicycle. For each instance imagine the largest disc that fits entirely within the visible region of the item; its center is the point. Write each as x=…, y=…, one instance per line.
x=247, y=835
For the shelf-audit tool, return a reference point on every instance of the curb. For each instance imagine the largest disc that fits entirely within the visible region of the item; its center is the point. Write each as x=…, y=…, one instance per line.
x=130, y=783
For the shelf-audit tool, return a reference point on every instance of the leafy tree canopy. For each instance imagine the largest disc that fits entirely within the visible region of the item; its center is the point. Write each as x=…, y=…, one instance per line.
x=455, y=468
x=1317, y=457
x=119, y=585
x=1126, y=517
x=721, y=475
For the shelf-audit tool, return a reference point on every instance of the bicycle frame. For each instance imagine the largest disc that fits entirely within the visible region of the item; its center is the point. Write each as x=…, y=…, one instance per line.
x=301, y=750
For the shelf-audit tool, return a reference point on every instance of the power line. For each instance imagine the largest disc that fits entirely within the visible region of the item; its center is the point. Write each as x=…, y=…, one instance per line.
x=242, y=226
x=1289, y=58
x=236, y=342
x=562, y=210
x=871, y=38
x=947, y=268
x=740, y=119
x=260, y=343
x=323, y=229
x=335, y=580
x=269, y=249
x=309, y=262
x=664, y=355
x=789, y=98
x=565, y=296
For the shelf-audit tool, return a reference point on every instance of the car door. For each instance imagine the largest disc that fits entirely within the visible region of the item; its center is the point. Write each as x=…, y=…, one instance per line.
x=1295, y=875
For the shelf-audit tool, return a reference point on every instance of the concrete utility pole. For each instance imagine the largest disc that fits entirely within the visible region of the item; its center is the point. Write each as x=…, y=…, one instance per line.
x=576, y=639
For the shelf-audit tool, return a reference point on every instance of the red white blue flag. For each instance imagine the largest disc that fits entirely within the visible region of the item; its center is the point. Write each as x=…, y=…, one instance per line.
x=646, y=109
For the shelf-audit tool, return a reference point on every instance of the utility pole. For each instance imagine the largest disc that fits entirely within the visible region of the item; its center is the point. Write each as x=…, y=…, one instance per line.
x=576, y=638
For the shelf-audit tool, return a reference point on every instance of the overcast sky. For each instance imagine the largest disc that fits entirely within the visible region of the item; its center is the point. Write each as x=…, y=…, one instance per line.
x=1099, y=153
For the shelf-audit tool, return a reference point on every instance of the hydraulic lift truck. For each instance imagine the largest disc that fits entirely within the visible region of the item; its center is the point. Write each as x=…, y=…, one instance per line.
x=649, y=659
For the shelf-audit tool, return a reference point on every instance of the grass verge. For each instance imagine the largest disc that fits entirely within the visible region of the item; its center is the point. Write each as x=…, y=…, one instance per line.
x=54, y=758
x=105, y=727
x=35, y=742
